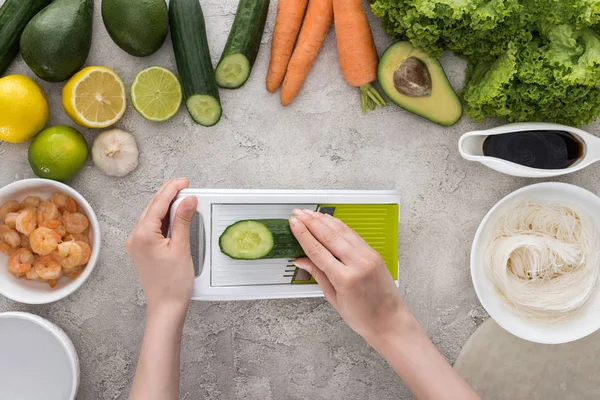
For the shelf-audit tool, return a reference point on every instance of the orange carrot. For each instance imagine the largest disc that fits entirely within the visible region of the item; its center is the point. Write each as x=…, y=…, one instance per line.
x=290, y=14
x=319, y=17
x=356, y=50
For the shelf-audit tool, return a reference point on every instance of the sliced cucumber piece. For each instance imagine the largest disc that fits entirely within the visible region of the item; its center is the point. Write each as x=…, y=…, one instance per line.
x=204, y=109
x=246, y=240
x=233, y=71
x=262, y=238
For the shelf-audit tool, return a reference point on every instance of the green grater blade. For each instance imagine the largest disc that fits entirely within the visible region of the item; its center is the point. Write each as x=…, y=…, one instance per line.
x=377, y=224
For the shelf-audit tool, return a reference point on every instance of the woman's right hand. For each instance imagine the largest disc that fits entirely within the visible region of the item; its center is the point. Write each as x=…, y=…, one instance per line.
x=351, y=274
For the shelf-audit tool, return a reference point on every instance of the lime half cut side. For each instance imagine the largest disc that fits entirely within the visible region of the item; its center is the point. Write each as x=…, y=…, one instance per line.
x=156, y=94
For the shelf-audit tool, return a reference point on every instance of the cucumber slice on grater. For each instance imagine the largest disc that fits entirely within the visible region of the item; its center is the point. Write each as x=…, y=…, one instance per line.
x=260, y=239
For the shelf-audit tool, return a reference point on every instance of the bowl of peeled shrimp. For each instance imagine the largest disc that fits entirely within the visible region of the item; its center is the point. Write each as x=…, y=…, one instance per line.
x=49, y=241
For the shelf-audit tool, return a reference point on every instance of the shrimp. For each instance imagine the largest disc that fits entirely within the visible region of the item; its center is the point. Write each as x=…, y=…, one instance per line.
x=9, y=207
x=44, y=241
x=32, y=275
x=11, y=219
x=75, y=222
x=48, y=269
x=77, y=237
x=64, y=202
x=56, y=226
x=47, y=211
x=31, y=202
x=71, y=255
x=20, y=262
x=27, y=221
x=86, y=252
x=74, y=272
x=6, y=249
x=10, y=236
x=25, y=242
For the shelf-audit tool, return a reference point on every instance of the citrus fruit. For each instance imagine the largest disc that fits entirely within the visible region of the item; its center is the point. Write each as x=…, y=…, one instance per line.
x=95, y=97
x=23, y=109
x=156, y=94
x=58, y=153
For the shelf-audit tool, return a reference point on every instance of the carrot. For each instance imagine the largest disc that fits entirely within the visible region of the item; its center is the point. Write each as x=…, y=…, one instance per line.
x=319, y=17
x=356, y=50
x=290, y=14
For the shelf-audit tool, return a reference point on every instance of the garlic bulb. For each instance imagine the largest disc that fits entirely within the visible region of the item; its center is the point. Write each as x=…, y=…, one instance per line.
x=115, y=152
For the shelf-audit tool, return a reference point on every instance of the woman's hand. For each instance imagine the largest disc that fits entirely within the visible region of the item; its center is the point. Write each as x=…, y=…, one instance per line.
x=164, y=265
x=353, y=276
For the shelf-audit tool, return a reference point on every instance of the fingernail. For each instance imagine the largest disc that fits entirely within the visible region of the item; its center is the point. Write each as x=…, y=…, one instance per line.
x=297, y=211
x=308, y=211
x=329, y=215
x=189, y=206
x=299, y=265
x=294, y=221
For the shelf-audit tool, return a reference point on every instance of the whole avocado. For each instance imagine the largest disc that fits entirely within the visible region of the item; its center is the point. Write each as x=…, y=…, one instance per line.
x=56, y=42
x=139, y=27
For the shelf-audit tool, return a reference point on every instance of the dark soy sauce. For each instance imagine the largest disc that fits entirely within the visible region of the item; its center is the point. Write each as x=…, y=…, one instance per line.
x=535, y=149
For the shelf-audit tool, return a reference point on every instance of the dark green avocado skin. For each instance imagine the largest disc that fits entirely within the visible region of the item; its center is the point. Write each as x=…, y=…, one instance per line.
x=56, y=42
x=139, y=27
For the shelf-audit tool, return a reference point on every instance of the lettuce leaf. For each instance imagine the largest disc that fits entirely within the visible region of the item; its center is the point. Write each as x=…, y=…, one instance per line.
x=529, y=60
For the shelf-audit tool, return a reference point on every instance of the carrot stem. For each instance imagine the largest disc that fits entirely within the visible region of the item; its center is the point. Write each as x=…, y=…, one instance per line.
x=370, y=98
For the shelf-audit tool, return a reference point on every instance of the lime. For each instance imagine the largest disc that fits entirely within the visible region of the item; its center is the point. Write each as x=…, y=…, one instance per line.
x=23, y=109
x=58, y=153
x=156, y=94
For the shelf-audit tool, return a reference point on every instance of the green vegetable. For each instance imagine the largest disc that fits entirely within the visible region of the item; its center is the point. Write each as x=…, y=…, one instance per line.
x=139, y=27
x=193, y=61
x=529, y=60
x=14, y=16
x=417, y=82
x=56, y=42
x=243, y=43
x=260, y=239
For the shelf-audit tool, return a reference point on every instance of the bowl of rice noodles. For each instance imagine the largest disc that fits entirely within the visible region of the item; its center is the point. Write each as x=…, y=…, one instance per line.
x=535, y=263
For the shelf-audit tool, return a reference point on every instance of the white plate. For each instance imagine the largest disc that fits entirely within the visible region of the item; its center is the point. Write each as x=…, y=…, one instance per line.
x=586, y=321
x=37, y=359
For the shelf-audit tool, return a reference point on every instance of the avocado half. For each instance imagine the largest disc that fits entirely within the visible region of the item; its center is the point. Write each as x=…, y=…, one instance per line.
x=415, y=81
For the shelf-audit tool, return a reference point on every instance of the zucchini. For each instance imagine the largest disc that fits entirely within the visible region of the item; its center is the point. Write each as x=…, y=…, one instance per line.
x=260, y=239
x=243, y=43
x=14, y=17
x=194, y=64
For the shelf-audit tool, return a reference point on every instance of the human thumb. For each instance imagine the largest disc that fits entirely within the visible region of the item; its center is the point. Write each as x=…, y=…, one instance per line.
x=180, y=232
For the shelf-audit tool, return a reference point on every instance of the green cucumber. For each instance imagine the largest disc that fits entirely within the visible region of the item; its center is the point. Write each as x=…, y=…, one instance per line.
x=255, y=239
x=243, y=43
x=194, y=64
x=14, y=17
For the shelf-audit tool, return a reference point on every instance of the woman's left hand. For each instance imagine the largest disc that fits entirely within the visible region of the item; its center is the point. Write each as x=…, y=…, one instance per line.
x=163, y=264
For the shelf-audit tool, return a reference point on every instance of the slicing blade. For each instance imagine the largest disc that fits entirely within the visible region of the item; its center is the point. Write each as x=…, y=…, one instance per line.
x=226, y=271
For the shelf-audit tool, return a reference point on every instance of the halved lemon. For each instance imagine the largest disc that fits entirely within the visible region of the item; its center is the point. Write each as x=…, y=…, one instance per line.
x=156, y=94
x=95, y=97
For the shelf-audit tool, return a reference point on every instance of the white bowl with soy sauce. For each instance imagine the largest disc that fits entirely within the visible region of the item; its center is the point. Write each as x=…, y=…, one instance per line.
x=531, y=150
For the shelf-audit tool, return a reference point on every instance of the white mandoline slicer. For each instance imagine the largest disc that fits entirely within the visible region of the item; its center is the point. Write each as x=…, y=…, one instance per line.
x=374, y=214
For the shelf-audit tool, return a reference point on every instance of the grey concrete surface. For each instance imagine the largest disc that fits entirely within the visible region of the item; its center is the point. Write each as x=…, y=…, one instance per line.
x=292, y=349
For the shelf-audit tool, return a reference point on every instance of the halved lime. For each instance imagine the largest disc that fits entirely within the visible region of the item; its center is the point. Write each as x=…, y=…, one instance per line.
x=156, y=94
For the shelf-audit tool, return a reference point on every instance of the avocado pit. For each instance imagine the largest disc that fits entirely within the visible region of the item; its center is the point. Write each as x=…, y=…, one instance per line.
x=412, y=78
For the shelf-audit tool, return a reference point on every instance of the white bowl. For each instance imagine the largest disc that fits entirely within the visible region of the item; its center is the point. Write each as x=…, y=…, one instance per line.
x=34, y=292
x=581, y=324
x=38, y=359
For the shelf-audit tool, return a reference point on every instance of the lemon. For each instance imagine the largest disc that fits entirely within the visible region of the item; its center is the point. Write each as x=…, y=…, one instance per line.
x=156, y=94
x=23, y=109
x=58, y=153
x=95, y=97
